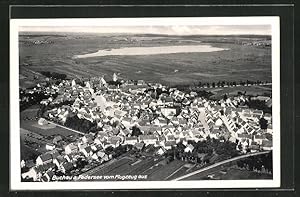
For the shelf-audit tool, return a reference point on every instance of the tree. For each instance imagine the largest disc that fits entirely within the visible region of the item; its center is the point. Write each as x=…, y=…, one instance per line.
x=136, y=131
x=263, y=123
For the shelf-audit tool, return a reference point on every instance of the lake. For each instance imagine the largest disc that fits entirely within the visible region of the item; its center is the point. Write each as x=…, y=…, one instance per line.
x=153, y=50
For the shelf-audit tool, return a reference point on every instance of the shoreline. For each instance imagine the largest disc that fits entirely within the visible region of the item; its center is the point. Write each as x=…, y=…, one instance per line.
x=127, y=51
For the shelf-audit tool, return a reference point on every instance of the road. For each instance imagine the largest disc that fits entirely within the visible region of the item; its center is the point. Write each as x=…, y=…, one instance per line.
x=66, y=128
x=265, y=84
x=219, y=164
x=201, y=118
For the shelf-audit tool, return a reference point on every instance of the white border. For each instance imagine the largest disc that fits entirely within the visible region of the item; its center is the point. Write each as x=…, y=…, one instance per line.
x=15, y=172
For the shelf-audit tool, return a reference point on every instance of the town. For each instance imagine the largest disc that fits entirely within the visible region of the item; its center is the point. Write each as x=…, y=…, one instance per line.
x=120, y=118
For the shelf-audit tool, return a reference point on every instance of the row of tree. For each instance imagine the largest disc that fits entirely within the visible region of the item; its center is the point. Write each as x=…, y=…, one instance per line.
x=54, y=75
x=209, y=147
x=258, y=104
x=27, y=99
x=229, y=83
x=81, y=125
x=191, y=88
x=259, y=162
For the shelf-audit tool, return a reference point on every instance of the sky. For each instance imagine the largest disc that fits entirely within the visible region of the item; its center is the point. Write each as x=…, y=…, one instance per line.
x=167, y=30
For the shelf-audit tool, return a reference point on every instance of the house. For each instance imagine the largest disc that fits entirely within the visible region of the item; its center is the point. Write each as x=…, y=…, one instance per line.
x=184, y=142
x=160, y=151
x=168, y=111
x=71, y=148
x=105, y=158
x=259, y=113
x=100, y=154
x=59, y=161
x=50, y=146
x=114, y=141
x=189, y=148
x=262, y=98
x=82, y=146
x=170, y=137
x=36, y=172
x=148, y=139
x=42, y=121
x=96, y=147
x=44, y=159
x=98, y=140
x=69, y=157
x=48, y=176
x=124, y=132
x=218, y=122
x=215, y=133
x=57, y=139
x=254, y=147
x=54, y=153
x=102, y=136
x=267, y=145
x=244, y=136
x=259, y=139
x=29, y=164
x=139, y=145
x=245, y=144
x=131, y=140
x=141, y=82
x=175, y=120
x=88, y=138
x=251, y=130
x=95, y=156
x=167, y=128
x=22, y=163
x=87, y=151
x=66, y=167
x=169, y=144
x=105, y=144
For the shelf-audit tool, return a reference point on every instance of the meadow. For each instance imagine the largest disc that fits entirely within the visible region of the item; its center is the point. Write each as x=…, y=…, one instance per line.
x=240, y=62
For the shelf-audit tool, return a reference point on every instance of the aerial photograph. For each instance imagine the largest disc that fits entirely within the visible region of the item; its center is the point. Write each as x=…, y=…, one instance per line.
x=145, y=103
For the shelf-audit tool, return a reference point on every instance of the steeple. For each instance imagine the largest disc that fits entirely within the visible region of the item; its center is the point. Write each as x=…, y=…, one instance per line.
x=115, y=77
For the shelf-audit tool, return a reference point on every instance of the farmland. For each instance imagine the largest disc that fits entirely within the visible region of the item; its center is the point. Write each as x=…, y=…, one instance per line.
x=240, y=62
x=34, y=137
x=229, y=173
x=154, y=168
x=29, y=122
x=250, y=90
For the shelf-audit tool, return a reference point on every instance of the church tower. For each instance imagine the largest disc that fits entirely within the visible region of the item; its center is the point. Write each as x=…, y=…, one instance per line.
x=115, y=77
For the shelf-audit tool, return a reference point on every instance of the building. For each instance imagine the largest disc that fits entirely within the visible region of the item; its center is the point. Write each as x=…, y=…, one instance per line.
x=43, y=159
x=148, y=139
x=71, y=148
x=189, y=148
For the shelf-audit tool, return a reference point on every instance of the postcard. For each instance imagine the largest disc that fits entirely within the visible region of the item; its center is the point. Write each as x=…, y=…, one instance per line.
x=144, y=103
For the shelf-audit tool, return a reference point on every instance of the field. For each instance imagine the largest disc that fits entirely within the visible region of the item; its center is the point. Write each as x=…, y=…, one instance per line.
x=237, y=174
x=28, y=121
x=240, y=62
x=231, y=173
x=154, y=168
x=250, y=90
x=163, y=172
x=28, y=153
x=228, y=172
x=32, y=126
x=34, y=137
